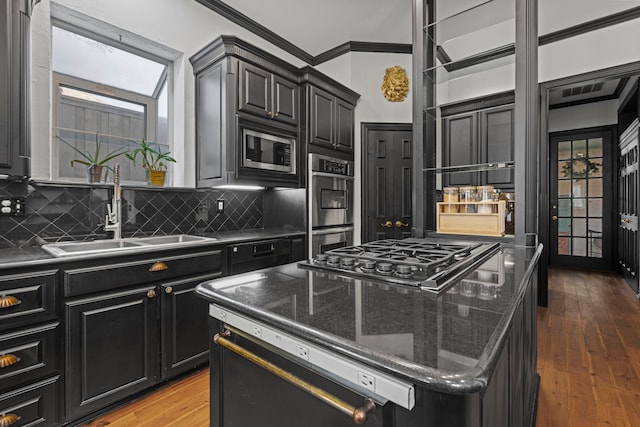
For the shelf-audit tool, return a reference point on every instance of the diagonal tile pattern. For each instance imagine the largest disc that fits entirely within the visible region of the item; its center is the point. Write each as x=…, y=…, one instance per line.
x=56, y=213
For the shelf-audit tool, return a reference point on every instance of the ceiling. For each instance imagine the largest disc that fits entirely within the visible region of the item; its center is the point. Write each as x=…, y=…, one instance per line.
x=317, y=26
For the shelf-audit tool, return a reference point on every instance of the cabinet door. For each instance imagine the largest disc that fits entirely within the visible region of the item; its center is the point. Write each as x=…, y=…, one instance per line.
x=285, y=100
x=112, y=348
x=210, y=131
x=185, y=342
x=321, y=120
x=344, y=125
x=298, y=249
x=254, y=91
x=460, y=147
x=14, y=88
x=496, y=144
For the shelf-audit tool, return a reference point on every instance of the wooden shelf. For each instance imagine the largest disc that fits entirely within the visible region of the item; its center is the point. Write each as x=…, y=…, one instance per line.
x=472, y=223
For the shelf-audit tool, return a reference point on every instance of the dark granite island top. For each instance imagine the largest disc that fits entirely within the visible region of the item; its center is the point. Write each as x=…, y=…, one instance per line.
x=450, y=342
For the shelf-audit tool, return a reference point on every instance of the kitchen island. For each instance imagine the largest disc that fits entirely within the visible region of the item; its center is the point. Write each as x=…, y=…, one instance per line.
x=463, y=356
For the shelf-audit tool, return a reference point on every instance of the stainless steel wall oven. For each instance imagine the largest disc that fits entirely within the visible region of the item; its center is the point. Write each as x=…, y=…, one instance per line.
x=330, y=203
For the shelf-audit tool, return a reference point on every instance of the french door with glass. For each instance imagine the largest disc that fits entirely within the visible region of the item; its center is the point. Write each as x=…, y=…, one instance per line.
x=582, y=199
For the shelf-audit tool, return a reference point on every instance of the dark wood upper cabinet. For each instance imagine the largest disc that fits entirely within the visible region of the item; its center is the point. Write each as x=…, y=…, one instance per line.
x=485, y=136
x=267, y=95
x=329, y=117
x=14, y=88
x=321, y=123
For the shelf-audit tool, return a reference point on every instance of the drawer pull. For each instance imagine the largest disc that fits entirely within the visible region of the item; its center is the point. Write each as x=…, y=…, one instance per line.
x=8, y=360
x=150, y=294
x=8, y=419
x=158, y=266
x=9, y=301
x=168, y=290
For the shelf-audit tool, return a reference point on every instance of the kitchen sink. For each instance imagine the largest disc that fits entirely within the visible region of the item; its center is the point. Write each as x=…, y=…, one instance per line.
x=180, y=238
x=131, y=244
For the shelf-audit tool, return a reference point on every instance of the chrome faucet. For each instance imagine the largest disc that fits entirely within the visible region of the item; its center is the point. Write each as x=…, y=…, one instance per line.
x=113, y=222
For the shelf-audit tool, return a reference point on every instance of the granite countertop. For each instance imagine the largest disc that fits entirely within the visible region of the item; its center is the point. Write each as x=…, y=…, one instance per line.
x=447, y=341
x=35, y=255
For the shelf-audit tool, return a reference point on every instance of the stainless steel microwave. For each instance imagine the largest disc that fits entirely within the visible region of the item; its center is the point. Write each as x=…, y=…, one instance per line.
x=268, y=152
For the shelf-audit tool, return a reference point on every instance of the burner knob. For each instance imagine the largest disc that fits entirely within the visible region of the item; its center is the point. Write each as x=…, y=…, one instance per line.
x=347, y=262
x=333, y=260
x=368, y=265
x=404, y=270
x=384, y=267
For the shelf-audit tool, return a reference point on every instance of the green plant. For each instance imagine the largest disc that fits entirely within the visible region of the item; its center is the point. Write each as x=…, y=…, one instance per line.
x=93, y=158
x=148, y=157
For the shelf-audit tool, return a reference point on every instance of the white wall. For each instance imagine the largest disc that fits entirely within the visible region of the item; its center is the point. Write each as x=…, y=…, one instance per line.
x=182, y=25
x=363, y=72
x=607, y=47
x=583, y=116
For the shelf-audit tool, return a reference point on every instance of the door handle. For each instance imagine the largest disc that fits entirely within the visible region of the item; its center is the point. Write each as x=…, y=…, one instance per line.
x=387, y=224
x=401, y=224
x=554, y=218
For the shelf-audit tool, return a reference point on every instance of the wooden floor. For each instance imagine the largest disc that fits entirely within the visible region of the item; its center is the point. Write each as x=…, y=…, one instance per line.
x=588, y=360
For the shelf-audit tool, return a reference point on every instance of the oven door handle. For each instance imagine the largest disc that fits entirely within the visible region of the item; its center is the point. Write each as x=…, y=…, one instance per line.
x=331, y=175
x=324, y=231
x=358, y=415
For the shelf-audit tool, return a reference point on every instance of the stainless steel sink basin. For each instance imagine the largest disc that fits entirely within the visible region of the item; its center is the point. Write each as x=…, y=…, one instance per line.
x=131, y=244
x=180, y=238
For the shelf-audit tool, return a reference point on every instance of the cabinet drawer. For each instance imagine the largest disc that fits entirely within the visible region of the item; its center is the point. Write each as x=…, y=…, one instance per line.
x=27, y=298
x=35, y=404
x=112, y=276
x=27, y=354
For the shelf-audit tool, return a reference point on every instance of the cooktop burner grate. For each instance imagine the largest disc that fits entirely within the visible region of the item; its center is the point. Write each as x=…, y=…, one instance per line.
x=415, y=262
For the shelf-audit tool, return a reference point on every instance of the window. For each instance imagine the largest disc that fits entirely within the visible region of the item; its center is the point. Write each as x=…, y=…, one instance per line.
x=106, y=95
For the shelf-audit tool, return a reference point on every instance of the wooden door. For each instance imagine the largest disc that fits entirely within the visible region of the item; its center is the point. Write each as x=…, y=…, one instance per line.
x=627, y=253
x=460, y=148
x=185, y=342
x=386, y=181
x=321, y=120
x=254, y=91
x=496, y=145
x=111, y=348
x=285, y=100
x=344, y=125
x=581, y=199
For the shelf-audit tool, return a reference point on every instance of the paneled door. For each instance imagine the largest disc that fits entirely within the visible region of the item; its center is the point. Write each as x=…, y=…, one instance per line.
x=386, y=181
x=628, y=205
x=581, y=198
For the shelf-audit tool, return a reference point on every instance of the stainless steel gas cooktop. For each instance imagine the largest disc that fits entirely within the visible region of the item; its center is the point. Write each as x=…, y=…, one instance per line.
x=425, y=263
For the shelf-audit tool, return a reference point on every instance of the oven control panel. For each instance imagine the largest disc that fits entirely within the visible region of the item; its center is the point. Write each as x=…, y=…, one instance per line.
x=379, y=386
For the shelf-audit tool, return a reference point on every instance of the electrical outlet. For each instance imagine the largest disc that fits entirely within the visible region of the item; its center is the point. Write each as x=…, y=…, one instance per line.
x=256, y=331
x=302, y=352
x=367, y=381
x=220, y=205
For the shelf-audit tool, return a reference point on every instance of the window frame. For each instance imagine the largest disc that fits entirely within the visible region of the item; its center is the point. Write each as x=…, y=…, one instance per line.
x=150, y=103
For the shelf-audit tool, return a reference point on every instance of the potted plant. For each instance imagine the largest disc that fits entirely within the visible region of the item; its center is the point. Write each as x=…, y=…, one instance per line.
x=153, y=160
x=96, y=164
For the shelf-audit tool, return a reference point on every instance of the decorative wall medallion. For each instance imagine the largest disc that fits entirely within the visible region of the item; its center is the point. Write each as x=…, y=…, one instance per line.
x=395, y=85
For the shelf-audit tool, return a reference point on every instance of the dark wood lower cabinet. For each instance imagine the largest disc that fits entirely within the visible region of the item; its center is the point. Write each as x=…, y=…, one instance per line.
x=35, y=405
x=185, y=335
x=112, y=346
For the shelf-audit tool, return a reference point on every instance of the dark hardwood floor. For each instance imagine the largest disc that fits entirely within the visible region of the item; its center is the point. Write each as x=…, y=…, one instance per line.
x=589, y=351
x=588, y=360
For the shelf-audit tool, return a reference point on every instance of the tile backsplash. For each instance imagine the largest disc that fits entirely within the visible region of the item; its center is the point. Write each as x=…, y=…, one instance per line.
x=59, y=212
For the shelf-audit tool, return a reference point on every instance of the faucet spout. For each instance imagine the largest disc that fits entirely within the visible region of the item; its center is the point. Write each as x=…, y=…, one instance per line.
x=113, y=221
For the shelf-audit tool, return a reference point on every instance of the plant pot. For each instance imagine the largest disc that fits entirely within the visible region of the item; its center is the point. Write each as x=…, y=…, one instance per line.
x=95, y=173
x=155, y=177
